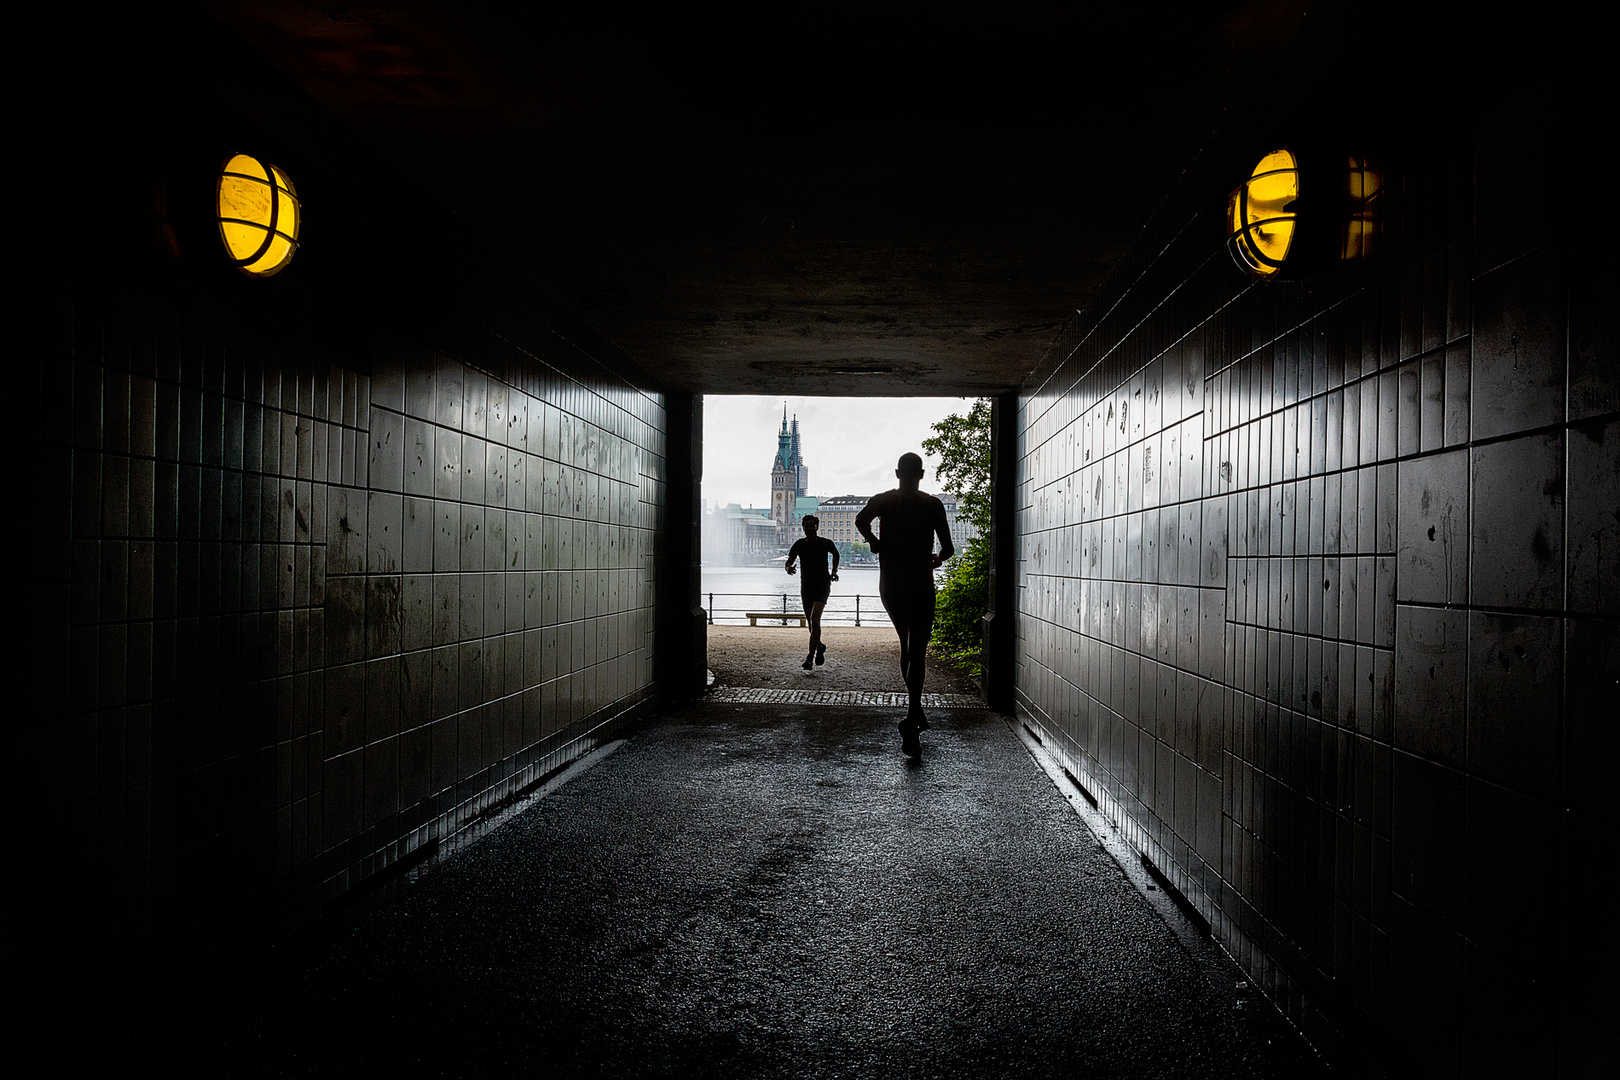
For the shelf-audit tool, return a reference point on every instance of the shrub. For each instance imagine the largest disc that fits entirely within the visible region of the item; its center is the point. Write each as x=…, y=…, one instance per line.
x=959, y=608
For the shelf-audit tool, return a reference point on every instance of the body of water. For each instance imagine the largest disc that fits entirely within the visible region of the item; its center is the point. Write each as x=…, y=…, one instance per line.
x=739, y=589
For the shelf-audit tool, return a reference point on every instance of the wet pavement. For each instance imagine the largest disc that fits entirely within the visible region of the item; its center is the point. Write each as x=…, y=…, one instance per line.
x=760, y=890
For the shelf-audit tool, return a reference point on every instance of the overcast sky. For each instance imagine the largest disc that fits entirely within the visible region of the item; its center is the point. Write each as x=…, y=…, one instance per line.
x=849, y=444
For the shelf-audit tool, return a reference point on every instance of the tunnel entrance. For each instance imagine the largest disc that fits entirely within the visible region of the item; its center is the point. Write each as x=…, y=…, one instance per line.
x=770, y=462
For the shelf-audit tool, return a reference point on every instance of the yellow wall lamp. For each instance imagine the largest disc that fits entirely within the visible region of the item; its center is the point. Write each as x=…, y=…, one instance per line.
x=259, y=215
x=1286, y=221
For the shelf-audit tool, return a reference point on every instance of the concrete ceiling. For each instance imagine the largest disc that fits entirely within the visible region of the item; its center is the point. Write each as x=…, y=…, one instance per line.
x=813, y=198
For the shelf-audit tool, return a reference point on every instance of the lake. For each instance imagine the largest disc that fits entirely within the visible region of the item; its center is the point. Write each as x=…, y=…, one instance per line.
x=737, y=589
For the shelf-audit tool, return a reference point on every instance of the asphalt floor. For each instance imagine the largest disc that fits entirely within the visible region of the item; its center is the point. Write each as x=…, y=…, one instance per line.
x=759, y=890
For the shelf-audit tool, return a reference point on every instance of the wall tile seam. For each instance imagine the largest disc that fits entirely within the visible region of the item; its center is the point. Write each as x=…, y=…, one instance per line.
x=1455, y=924
x=629, y=421
x=1046, y=580
x=1156, y=657
x=1297, y=404
x=1056, y=673
x=1554, y=427
x=1102, y=392
x=1347, y=812
x=1119, y=285
x=580, y=416
x=1055, y=441
x=1052, y=677
x=1306, y=329
x=1233, y=489
x=537, y=455
x=1559, y=240
x=100, y=446
x=1564, y=614
x=589, y=354
x=1128, y=348
x=300, y=377
x=1096, y=396
x=1035, y=387
x=212, y=466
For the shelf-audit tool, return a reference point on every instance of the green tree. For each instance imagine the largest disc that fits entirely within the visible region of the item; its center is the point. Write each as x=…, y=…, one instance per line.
x=962, y=446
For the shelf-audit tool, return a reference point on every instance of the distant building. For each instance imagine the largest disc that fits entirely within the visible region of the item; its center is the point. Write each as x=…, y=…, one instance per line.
x=838, y=519
x=758, y=537
x=962, y=529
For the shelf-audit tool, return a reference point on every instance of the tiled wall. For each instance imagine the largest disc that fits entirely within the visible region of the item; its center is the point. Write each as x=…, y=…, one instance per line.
x=1318, y=592
x=322, y=570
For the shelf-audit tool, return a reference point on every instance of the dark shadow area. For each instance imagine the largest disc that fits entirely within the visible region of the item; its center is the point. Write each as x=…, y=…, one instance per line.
x=757, y=891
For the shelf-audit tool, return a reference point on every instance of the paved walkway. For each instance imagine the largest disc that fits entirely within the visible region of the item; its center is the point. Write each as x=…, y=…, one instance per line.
x=876, y=698
x=859, y=658
x=762, y=890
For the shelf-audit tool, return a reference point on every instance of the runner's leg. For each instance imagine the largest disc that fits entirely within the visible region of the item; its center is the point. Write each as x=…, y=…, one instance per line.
x=814, y=613
x=897, y=619
x=913, y=617
x=921, y=629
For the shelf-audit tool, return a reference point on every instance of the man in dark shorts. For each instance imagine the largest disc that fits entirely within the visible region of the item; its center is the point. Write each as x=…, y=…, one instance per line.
x=911, y=519
x=815, y=584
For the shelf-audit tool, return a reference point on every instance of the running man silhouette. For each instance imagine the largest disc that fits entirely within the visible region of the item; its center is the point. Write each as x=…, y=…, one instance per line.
x=910, y=519
x=815, y=584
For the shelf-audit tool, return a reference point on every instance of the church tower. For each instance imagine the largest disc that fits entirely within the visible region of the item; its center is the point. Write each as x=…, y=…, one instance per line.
x=784, y=475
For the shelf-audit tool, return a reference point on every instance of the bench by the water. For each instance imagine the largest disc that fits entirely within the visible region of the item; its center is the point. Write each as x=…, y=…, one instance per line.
x=755, y=616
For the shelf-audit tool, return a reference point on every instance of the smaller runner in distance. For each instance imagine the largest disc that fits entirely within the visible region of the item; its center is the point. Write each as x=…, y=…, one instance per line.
x=815, y=583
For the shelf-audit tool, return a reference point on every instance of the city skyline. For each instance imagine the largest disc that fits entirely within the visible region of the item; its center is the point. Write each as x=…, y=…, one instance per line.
x=849, y=444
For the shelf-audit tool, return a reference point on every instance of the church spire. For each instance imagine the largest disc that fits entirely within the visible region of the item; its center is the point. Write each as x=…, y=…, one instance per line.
x=784, y=444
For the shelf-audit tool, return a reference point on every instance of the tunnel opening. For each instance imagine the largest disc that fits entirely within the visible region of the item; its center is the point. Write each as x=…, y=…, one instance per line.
x=771, y=462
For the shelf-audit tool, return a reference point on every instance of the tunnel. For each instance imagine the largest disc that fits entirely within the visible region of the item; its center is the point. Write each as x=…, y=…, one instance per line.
x=1305, y=550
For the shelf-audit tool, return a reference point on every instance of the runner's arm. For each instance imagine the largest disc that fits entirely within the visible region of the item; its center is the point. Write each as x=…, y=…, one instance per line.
x=863, y=522
x=942, y=528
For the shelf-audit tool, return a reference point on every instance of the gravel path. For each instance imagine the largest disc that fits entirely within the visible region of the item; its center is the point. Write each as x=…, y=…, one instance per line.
x=858, y=658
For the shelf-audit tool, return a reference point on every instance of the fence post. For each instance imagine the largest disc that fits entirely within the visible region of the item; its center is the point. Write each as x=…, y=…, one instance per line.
x=857, y=609
x=711, y=609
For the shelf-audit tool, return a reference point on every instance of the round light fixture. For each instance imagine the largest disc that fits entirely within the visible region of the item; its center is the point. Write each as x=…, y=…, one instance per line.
x=258, y=215
x=1261, y=217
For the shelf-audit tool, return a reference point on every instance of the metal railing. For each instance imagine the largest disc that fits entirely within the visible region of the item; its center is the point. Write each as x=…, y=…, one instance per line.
x=843, y=609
